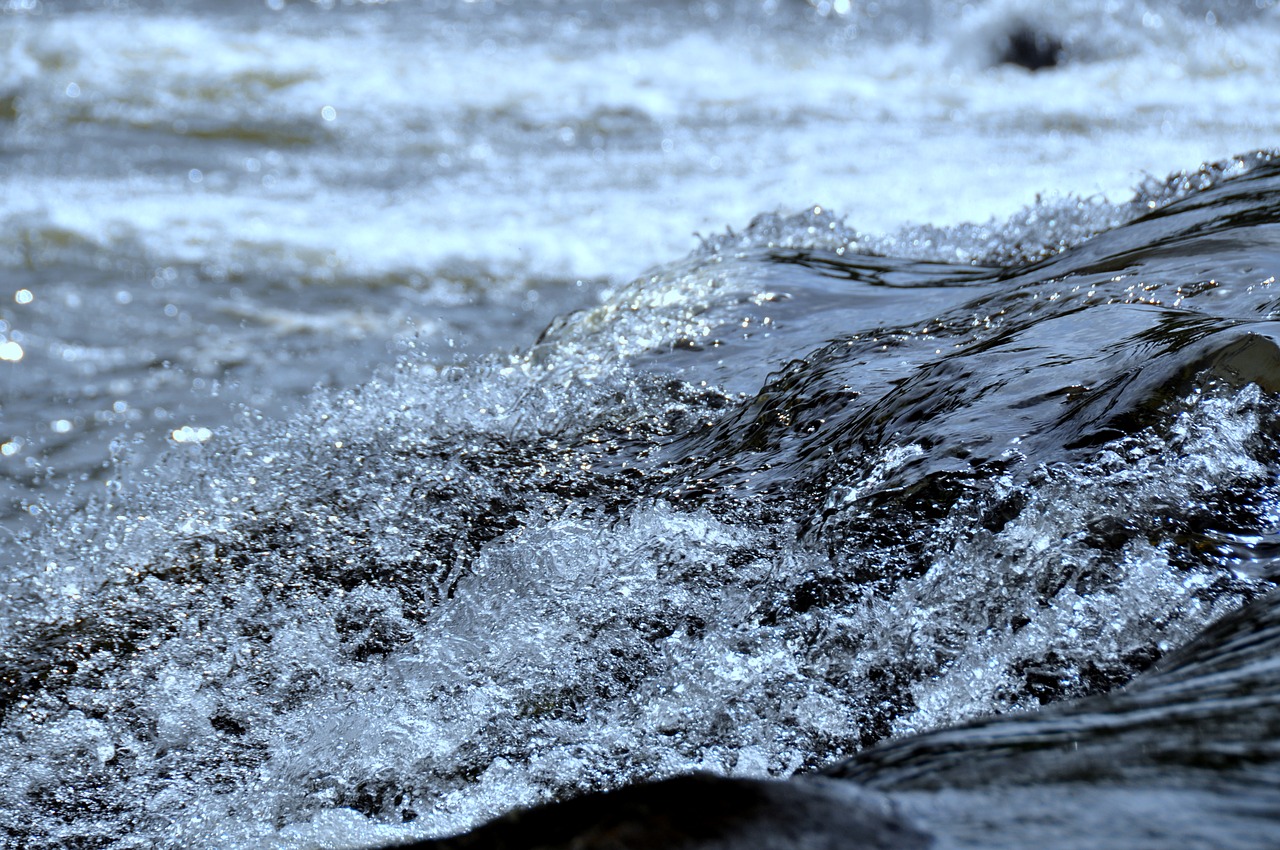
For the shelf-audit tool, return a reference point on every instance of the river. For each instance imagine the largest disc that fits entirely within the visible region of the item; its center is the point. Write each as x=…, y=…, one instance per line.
x=410, y=411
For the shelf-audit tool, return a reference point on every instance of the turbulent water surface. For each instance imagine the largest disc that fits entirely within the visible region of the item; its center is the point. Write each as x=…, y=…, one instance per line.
x=377, y=457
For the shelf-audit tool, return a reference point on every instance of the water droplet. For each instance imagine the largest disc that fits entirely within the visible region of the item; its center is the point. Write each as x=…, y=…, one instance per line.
x=189, y=434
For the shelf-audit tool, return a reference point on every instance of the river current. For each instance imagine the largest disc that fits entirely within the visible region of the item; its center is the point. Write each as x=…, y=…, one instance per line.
x=381, y=452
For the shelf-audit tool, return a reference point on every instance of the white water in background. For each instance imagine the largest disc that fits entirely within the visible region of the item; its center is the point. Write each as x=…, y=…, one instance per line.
x=540, y=142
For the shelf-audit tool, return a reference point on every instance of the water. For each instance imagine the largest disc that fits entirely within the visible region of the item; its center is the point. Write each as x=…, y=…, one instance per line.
x=1185, y=756
x=1174, y=760
x=324, y=533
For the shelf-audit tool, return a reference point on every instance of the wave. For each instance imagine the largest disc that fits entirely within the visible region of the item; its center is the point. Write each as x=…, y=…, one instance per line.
x=1185, y=756
x=758, y=511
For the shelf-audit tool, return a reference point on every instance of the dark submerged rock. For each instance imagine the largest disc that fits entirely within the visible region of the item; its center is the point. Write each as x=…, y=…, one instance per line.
x=704, y=811
x=1030, y=48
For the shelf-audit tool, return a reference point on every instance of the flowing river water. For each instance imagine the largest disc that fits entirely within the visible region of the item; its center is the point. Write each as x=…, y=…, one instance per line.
x=380, y=450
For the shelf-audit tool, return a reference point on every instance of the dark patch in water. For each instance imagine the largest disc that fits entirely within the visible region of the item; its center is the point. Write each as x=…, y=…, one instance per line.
x=1030, y=48
x=702, y=811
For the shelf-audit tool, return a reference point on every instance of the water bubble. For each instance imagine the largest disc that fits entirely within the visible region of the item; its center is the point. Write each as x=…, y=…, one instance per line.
x=10, y=351
x=189, y=434
x=328, y=113
x=73, y=90
x=23, y=296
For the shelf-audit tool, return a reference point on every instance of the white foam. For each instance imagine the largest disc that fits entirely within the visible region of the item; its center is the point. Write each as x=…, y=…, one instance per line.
x=597, y=159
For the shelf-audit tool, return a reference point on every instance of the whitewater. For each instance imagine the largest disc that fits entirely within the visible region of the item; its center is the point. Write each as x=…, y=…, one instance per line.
x=412, y=411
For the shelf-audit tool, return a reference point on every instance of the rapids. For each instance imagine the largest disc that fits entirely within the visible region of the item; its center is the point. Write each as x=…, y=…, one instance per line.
x=955, y=490
x=381, y=451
